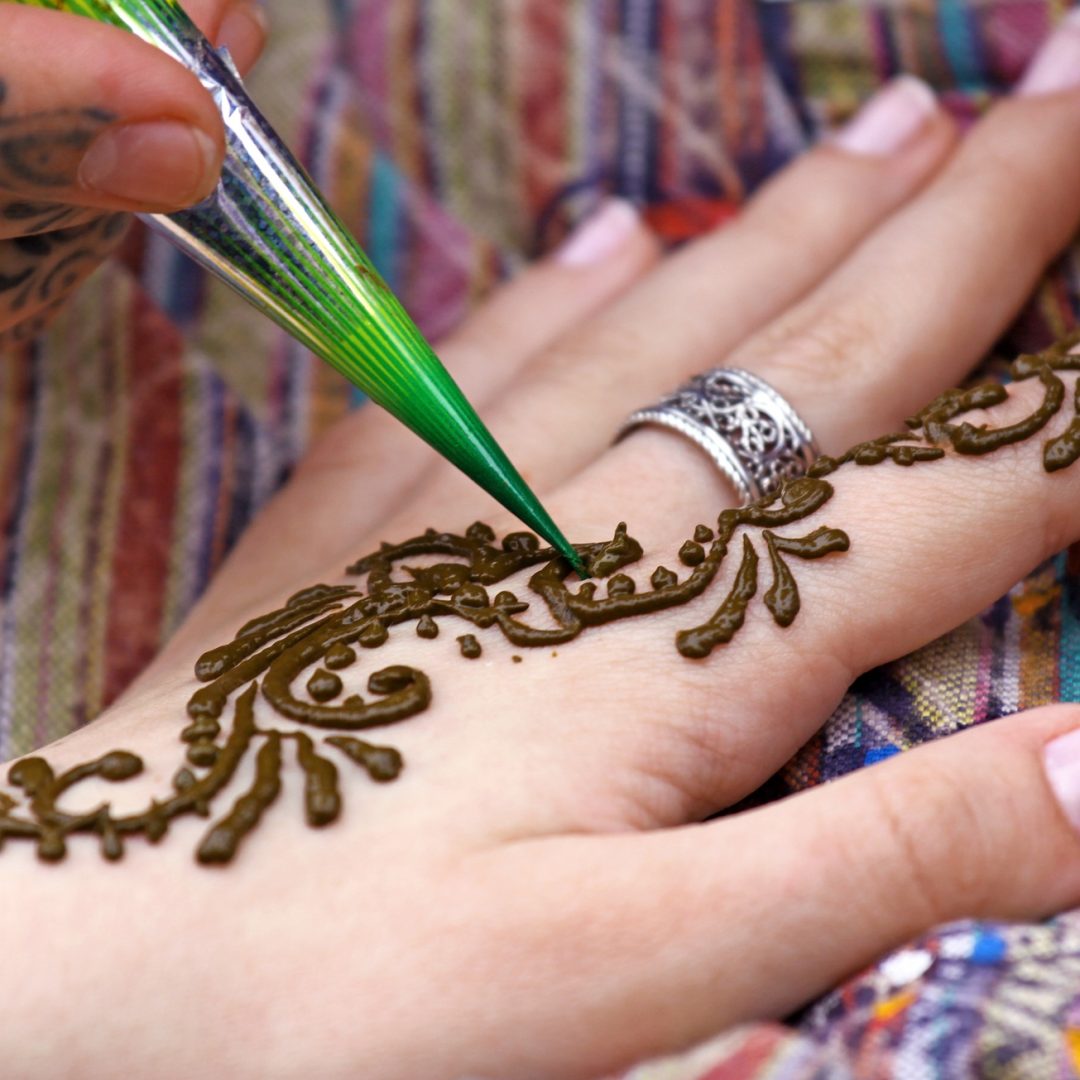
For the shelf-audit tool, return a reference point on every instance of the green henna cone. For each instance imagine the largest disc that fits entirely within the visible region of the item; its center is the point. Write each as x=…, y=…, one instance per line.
x=268, y=232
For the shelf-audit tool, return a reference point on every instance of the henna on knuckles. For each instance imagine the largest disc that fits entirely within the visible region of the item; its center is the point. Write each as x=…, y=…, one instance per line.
x=323, y=630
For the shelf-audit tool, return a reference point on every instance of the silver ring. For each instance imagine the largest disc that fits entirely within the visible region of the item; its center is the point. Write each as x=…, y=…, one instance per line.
x=754, y=436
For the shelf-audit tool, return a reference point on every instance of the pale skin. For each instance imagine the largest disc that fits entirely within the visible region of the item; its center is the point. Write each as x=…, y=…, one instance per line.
x=534, y=897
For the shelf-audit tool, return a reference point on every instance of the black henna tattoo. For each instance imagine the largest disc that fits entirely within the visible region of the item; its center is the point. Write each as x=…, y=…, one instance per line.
x=33, y=218
x=38, y=270
x=42, y=150
x=325, y=629
x=57, y=245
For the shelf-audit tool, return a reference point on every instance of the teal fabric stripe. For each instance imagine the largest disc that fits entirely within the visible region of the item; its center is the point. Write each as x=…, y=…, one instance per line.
x=1069, y=645
x=960, y=42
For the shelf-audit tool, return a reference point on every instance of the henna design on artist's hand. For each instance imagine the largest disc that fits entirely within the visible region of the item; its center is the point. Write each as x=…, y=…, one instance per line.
x=41, y=151
x=294, y=655
x=40, y=268
x=47, y=247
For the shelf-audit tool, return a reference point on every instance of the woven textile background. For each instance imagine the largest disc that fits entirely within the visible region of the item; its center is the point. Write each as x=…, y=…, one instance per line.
x=142, y=431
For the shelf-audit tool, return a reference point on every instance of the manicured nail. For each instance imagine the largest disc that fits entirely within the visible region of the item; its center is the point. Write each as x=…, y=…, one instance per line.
x=1057, y=64
x=599, y=235
x=890, y=119
x=1061, y=759
x=162, y=164
x=243, y=32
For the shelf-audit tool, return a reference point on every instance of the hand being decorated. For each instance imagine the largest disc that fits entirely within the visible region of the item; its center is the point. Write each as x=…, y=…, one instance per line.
x=404, y=798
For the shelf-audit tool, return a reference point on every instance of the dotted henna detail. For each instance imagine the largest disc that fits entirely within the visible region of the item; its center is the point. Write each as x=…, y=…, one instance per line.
x=293, y=656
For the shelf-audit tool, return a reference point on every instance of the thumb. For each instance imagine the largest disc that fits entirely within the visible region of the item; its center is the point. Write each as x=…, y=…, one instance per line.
x=701, y=927
x=985, y=824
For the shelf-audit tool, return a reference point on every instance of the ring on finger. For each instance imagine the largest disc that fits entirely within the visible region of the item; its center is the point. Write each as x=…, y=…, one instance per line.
x=754, y=437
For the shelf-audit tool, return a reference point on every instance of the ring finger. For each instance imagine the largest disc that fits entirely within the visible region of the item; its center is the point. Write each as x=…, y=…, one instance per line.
x=701, y=302
x=906, y=314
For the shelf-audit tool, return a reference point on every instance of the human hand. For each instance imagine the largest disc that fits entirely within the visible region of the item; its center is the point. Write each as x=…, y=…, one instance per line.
x=94, y=122
x=532, y=897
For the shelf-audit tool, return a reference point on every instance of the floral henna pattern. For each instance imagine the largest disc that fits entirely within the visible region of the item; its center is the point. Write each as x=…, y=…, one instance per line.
x=293, y=656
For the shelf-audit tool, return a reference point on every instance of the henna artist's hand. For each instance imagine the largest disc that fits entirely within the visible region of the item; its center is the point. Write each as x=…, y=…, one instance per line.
x=94, y=122
x=535, y=896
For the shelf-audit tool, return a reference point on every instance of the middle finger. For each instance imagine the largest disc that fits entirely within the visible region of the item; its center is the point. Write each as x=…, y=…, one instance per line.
x=708, y=297
x=910, y=310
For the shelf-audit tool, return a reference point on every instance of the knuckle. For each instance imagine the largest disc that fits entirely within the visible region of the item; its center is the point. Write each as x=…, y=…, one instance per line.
x=992, y=177
x=938, y=850
x=810, y=347
x=580, y=354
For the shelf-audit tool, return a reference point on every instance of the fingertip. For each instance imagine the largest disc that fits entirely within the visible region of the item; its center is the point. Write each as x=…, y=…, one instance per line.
x=902, y=133
x=156, y=166
x=897, y=115
x=1061, y=762
x=605, y=255
x=610, y=230
x=243, y=31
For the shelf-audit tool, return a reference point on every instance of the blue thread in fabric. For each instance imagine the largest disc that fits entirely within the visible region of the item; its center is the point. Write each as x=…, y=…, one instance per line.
x=880, y=753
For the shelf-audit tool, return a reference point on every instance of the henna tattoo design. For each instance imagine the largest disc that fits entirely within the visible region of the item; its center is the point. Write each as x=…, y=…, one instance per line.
x=324, y=629
x=40, y=268
x=57, y=245
x=34, y=217
x=43, y=149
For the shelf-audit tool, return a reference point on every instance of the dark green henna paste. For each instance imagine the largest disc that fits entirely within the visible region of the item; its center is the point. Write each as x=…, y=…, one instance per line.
x=322, y=799
x=383, y=763
x=325, y=629
x=470, y=647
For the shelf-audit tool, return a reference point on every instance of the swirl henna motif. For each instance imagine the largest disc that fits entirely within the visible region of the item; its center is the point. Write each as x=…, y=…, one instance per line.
x=293, y=656
x=46, y=246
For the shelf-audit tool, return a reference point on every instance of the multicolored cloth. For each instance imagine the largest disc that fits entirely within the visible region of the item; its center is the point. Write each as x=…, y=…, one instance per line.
x=140, y=434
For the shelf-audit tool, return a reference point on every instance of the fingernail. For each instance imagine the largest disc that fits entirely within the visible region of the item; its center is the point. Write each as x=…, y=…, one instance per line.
x=890, y=119
x=599, y=235
x=161, y=163
x=1057, y=64
x=243, y=32
x=1061, y=759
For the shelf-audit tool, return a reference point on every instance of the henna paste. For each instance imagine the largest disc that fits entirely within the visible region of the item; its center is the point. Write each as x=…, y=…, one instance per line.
x=470, y=647
x=315, y=634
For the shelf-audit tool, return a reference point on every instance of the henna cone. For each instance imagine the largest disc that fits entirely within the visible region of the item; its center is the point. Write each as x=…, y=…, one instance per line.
x=269, y=234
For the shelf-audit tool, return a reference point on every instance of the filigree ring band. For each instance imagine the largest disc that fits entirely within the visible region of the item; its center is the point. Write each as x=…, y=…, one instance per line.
x=752, y=434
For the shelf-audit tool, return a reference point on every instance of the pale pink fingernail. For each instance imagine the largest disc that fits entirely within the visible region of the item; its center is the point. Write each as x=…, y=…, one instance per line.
x=156, y=162
x=1057, y=64
x=599, y=235
x=890, y=119
x=1061, y=759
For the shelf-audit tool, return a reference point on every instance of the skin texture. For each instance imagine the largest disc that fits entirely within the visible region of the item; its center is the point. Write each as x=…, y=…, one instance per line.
x=319, y=625
x=536, y=893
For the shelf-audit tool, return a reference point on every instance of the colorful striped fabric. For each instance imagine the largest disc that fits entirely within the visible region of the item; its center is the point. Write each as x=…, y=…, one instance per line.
x=142, y=431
